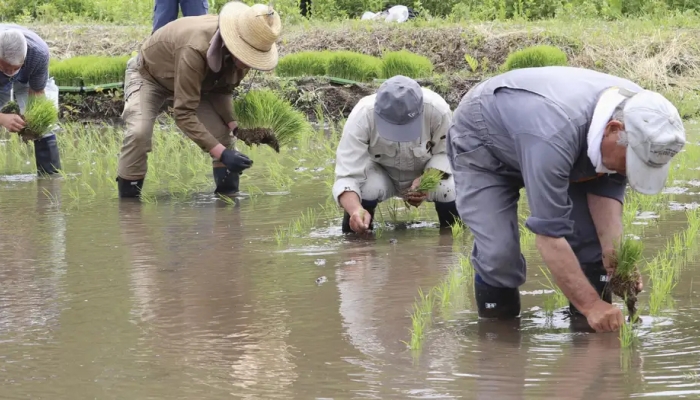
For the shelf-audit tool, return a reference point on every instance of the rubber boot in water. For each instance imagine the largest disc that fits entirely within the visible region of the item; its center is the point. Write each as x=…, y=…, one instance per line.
x=370, y=206
x=493, y=302
x=447, y=213
x=226, y=183
x=129, y=189
x=48, y=161
x=598, y=277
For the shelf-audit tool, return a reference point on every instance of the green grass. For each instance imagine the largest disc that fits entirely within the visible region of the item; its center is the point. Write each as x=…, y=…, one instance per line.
x=535, y=56
x=88, y=70
x=407, y=64
x=40, y=115
x=265, y=109
x=354, y=66
x=305, y=63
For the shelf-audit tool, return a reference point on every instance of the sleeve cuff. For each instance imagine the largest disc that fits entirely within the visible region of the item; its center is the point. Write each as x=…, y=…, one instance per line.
x=345, y=185
x=556, y=228
x=440, y=162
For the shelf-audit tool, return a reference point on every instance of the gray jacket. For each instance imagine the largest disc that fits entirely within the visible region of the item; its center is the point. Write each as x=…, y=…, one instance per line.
x=534, y=123
x=404, y=162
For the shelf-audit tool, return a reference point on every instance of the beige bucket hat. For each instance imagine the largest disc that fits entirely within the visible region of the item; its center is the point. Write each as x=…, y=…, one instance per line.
x=250, y=33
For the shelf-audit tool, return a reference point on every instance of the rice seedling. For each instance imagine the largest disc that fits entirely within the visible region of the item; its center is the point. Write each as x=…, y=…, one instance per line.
x=281, y=124
x=429, y=182
x=407, y=64
x=40, y=115
x=421, y=319
x=535, y=56
x=628, y=335
x=305, y=63
x=11, y=107
x=623, y=281
x=354, y=66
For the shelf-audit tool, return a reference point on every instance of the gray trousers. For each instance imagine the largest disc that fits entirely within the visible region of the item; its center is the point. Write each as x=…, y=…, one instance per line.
x=380, y=186
x=487, y=202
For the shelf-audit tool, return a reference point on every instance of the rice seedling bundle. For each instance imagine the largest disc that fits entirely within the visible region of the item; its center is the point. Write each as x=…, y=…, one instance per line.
x=265, y=118
x=535, y=56
x=407, y=64
x=623, y=282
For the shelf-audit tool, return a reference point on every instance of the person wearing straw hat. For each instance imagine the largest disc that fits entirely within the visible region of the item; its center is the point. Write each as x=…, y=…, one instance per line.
x=197, y=61
x=24, y=72
x=573, y=138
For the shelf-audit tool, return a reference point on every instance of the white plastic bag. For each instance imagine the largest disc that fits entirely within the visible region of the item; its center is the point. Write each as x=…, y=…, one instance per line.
x=398, y=14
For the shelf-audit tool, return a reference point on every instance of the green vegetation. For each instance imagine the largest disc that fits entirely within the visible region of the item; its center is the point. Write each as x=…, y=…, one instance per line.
x=536, y=56
x=265, y=109
x=305, y=63
x=41, y=114
x=407, y=64
x=354, y=66
x=88, y=70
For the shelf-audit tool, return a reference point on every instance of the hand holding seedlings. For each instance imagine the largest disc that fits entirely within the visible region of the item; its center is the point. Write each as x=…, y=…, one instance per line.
x=604, y=317
x=12, y=122
x=626, y=281
x=422, y=186
x=360, y=220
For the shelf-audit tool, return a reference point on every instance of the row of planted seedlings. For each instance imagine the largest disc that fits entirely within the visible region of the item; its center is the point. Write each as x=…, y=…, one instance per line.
x=640, y=213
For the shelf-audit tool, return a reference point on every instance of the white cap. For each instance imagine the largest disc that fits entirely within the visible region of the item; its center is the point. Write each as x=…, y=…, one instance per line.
x=655, y=134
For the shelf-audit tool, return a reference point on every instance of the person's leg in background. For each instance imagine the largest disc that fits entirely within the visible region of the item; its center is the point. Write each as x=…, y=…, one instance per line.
x=376, y=188
x=193, y=8
x=164, y=11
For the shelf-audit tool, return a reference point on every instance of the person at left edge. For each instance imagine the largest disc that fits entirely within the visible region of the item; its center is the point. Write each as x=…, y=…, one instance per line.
x=24, y=67
x=198, y=61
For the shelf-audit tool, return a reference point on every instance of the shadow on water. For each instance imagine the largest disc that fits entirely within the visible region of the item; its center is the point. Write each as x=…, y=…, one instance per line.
x=198, y=300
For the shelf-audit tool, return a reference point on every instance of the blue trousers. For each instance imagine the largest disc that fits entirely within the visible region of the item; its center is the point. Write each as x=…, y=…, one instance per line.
x=166, y=10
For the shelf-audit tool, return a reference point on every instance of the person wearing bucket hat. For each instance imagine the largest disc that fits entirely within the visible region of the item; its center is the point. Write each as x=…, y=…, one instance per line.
x=573, y=138
x=389, y=139
x=197, y=62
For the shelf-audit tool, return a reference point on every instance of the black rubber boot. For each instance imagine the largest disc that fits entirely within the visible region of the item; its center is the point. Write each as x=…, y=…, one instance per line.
x=129, y=189
x=48, y=161
x=598, y=277
x=447, y=213
x=493, y=302
x=370, y=206
x=226, y=183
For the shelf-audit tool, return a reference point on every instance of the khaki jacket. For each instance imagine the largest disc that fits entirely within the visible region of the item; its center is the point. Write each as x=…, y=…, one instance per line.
x=175, y=57
x=360, y=144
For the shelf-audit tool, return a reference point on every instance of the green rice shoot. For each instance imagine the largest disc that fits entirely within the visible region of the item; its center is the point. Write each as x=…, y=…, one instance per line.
x=305, y=63
x=628, y=255
x=265, y=109
x=354, y=66
x=407, y=64
x=535, y=56
x=40, y=115
x=430, y=180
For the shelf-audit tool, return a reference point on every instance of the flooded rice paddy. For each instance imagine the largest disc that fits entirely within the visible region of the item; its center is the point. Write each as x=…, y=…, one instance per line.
x=189, y=296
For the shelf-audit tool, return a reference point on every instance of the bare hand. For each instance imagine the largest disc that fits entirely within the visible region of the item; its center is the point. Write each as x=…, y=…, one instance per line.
x=360, y=220
x=605, y=317
x=232, y=126
x=415, y=198
x=12, y=122
x=610, y=266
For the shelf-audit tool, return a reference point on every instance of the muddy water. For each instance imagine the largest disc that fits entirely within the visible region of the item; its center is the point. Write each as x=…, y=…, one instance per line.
x=198, y=301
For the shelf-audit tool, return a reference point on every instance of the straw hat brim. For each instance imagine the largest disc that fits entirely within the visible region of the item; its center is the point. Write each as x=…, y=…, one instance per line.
x=229, y=18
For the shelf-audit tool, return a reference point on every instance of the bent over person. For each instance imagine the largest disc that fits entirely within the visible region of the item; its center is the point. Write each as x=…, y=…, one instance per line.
x=198, y=61
x=388, y=140
x=24, y=63
x=572, y=138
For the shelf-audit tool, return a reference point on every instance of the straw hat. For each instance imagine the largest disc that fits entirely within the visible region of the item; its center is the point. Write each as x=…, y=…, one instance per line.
x=250, y=33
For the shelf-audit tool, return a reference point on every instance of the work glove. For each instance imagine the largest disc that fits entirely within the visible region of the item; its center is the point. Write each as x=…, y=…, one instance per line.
x=235, y=161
